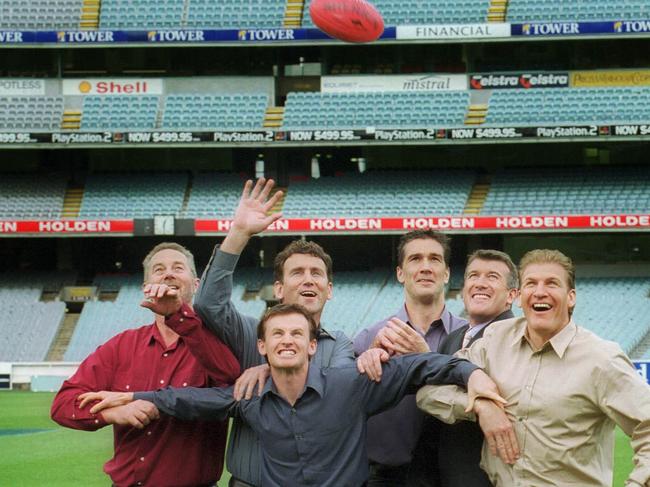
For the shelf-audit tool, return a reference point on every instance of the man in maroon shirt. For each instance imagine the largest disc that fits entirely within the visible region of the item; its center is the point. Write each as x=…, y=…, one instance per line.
x=168, y=452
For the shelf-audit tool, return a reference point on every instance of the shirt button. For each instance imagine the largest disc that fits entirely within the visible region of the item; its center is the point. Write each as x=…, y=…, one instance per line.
x=128, y=386
x=96, y=421
x=185, y=313
x=165, y=354
x=139, y=483
x=181, y=320
x=148, y=433
x=142, y=459
x=162, y=381
x=298, y=437
x=293, y=410
x=184, y=384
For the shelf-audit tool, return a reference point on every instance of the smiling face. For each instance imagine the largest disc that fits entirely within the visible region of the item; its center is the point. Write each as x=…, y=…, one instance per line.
x=423, y=271
x=286, y=343
x=485, y=291
x=304, y=282
x=171, y=267
x=546, y=300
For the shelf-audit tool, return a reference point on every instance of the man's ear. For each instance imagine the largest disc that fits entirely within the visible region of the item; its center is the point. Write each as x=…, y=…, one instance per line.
x=513, y=294
x=278, y=290
x=261, y=347
x=311, y=349
x=400, y=274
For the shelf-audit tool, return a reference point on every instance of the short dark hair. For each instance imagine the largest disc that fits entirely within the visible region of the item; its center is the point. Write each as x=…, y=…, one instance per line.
x=512, y=280
x=287, y=309
x=441, y=238
x=301, y=247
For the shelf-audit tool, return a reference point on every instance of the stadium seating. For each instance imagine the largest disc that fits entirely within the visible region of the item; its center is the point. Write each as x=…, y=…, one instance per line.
x=569, y=190
x=21, y=199
x=405, y=12
x=214, y=195
x=115, y=112
x=31, y=113
x=586, y=10
x=315, y=110
x=141, y=14
x=40, y=14
x=224, y=112
x=616, y=309
x=571, y=106
x=29, y=326
x=235, y=14
x=380, y=193
x=133, y=195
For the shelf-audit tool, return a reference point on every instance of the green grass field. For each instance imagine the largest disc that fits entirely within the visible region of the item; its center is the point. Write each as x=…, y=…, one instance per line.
x=37, y=452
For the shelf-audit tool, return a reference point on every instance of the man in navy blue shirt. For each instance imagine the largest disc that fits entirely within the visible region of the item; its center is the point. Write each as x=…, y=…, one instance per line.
x=311, y=421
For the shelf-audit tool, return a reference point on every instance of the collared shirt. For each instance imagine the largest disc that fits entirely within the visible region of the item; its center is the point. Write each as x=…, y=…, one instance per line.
x=137, y=360
x=239, y=332
x=564, y=401
x=320, y=440
x=394, y=434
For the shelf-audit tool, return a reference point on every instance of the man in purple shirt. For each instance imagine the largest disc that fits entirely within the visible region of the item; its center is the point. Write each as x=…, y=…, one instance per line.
x=420, y=325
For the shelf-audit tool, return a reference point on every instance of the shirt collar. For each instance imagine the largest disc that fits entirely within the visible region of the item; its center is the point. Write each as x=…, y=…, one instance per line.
x=323, y=333
x=154, y=336
x=559, y=342
x=314, y=381
x=445, y=318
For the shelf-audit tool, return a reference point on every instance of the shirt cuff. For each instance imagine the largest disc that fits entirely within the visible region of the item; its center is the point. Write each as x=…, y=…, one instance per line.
x=466, y=369
x=183, y=320
x=144, y=396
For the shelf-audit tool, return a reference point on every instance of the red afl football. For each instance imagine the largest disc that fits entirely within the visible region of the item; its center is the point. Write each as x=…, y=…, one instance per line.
x=347, y=20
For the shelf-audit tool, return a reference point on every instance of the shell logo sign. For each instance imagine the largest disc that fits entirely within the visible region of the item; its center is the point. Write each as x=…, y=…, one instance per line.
x=121, y=86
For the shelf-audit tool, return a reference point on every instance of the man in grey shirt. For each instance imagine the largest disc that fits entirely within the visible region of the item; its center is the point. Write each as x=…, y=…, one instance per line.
x=311, y=421
x=303, y=275
x=402, y=442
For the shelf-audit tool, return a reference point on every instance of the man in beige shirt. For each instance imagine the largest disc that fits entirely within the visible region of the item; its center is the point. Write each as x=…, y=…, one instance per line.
x=566, y=389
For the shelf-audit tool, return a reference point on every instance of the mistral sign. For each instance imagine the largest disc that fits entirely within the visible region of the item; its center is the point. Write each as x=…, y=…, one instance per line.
x=413, y=82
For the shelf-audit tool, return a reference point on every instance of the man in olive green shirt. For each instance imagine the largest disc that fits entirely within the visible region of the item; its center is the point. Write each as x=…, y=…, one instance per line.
x=566, y=389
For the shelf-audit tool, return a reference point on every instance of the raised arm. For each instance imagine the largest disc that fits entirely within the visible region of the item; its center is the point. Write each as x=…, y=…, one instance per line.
x=213, y=298
x=217, y=359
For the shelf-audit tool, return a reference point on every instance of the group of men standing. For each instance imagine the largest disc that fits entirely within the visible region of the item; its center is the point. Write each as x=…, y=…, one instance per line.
x=314, y=408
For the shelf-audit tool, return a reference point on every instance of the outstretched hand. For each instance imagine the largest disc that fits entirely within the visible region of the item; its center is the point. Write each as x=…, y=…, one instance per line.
x=137, y=414
x=107, y=399
x=498, y=430
x=252, y=213
x=369, y=363
x=397, y=337
x=161, y=299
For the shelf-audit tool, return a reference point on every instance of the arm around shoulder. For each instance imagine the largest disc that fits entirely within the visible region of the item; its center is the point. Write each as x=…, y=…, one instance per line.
x=192, y=403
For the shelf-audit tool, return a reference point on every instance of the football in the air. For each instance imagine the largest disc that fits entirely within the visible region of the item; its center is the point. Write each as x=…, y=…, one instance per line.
x=347, y=20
